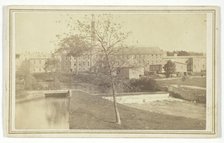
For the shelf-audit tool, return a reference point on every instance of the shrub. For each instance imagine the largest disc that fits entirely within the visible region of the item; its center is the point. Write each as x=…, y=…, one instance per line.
x=54, y=84
x=31, y=83
x=196, y=95
x=143, y=85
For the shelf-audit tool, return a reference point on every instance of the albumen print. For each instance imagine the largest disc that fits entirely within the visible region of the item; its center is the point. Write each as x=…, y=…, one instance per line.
x=111, y=71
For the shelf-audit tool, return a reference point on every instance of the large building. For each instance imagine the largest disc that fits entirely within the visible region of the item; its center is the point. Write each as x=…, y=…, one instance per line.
x=71, y=64
x=128, y=57
x=142, y=56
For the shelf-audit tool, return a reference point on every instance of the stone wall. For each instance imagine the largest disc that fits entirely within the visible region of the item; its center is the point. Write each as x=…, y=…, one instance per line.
x=140, y=98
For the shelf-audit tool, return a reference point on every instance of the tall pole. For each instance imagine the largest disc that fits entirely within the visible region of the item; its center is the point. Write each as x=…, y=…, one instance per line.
x=92, y=42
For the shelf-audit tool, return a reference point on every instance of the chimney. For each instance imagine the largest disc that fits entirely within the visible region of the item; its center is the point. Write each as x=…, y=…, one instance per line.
x=93, y=37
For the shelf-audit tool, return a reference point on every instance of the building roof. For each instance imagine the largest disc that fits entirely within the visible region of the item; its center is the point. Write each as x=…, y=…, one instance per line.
x=130, y=67
x=180, y=63
x=142, y=50
x=182, y=57
x=41, y=58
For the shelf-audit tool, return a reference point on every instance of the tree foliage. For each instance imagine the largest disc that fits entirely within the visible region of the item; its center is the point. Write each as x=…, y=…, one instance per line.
x=73, y=45
x=51, y=65
x=169, y=68
x=143, y=84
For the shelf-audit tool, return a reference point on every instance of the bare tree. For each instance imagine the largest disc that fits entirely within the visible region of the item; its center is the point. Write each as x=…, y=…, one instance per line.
x=107, y=39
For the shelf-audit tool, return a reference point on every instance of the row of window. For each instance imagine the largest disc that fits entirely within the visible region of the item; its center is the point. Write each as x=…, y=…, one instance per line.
x=125, y=56
x=140, y=56
x=79, y=69
x=37, y=70
x=38, y=62
x=83, y=64
x=80, y=58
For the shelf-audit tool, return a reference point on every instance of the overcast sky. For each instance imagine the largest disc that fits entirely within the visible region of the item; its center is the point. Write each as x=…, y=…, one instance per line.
x=36, y=31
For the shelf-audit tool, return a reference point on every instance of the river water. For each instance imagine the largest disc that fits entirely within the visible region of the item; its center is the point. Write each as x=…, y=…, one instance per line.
x=45, y=113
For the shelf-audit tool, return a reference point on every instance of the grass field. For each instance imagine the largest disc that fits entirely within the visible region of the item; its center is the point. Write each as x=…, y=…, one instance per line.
x=174, y=107
x=92, y=112
x=200, y=82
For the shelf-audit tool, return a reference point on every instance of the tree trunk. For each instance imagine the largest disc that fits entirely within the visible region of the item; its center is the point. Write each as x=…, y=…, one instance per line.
x=118, y=119
x=117, y=114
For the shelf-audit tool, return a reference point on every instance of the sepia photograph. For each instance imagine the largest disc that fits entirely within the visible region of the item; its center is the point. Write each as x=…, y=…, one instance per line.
x=111, y=71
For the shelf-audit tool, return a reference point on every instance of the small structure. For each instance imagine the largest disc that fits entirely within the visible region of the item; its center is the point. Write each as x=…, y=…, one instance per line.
x=130, y=72
x=194, y=63
x=156, y=68
x=197, y=64
x=58, y=93
x=181, y=68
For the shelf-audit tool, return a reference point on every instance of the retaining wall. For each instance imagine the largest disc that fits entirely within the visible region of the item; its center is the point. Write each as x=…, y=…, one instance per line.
x=139, y=98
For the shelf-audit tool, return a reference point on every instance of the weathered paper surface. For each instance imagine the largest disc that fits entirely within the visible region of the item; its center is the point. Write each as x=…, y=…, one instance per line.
x=66, y=65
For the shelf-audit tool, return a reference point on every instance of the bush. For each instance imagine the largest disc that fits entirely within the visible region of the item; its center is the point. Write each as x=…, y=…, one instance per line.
x=54, y=84
x=31, y=83
x=143, y=85
x=196, y=95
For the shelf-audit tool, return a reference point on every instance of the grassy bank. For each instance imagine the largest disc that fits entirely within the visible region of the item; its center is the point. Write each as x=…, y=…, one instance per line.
x=92, y=112
x=200, y=82
x=195, y=95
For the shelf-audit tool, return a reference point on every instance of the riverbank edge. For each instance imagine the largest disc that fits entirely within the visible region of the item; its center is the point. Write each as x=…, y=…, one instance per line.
x=92, y=112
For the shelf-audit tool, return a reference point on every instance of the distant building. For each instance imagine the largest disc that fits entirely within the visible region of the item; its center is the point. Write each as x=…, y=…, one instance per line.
x=37, y=65
x=181, y=59
x=35, y=61
x=128, y=57
x=143, y=57
x=194, y=63
x=71, y=64
x=130, y=72
x=18, y=61
x=197, y=64
x=156, y=68
x=181, y=67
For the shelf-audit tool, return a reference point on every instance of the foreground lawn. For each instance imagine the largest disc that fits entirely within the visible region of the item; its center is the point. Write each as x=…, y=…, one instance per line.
x=92, y=112
x=200, y=82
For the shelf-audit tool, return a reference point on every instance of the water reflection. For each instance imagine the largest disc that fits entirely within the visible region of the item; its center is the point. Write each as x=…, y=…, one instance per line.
x=46, y=113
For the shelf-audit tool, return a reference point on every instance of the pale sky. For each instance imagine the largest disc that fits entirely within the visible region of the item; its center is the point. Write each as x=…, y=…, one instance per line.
x=36, y=31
